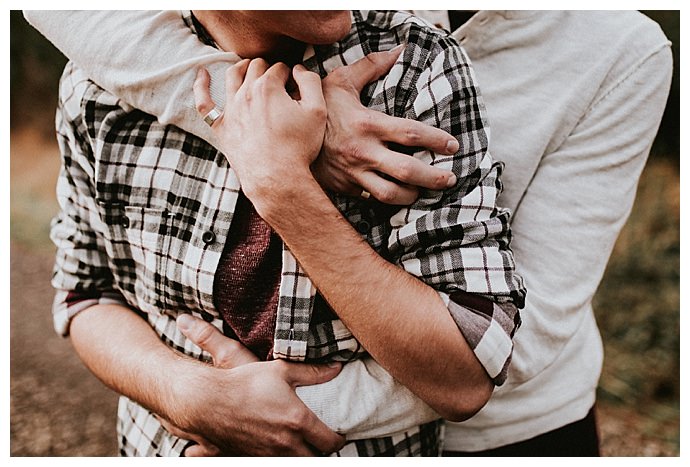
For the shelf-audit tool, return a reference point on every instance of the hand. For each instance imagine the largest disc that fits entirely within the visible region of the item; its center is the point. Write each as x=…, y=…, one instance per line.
x=263, y=416
x=355, y=154
x=226, y=353
x=269, y=138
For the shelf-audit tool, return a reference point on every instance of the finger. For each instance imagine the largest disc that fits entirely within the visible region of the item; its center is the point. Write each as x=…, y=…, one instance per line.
x=201, y=450
x=309, y=85
x=306, y=374
x=173, y=430
x=412, y=133
x=412, y=171
x=226, y=352
x=257, y=67
x=371, y=67
x=234, y=77
x=386, y=191
x=322, y=438
x=280, y=72
x=202, y=95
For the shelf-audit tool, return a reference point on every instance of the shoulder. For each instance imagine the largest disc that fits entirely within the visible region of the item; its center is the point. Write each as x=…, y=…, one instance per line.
x=616, y=28
x=619, y=39
x=384, y=29
x=376, y=31
x=626, y=46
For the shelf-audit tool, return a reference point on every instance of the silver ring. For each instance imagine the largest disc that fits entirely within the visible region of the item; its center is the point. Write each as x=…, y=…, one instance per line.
x=365, y=194
x=211, y=117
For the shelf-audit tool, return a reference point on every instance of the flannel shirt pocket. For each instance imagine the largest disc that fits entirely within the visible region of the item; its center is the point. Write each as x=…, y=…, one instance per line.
x=138, y=241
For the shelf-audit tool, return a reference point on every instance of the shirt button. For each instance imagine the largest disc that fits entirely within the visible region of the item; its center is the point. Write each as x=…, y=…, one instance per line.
x=208, y=237
x=124, y=222
x=363, y=227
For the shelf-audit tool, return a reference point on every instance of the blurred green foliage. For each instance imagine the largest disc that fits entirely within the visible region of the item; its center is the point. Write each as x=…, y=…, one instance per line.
x=638, y=302
x=637, y=307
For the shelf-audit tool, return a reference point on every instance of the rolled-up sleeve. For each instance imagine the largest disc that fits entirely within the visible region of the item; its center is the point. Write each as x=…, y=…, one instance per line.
x=81, y=274
x=458, y=240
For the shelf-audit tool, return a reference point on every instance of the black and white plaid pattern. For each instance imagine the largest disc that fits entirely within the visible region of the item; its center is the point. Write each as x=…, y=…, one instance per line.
x=146, y=209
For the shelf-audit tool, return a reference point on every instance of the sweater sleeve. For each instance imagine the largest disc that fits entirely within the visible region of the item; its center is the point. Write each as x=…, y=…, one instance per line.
x=147, y=58
x=577, y=203
x=364, y=401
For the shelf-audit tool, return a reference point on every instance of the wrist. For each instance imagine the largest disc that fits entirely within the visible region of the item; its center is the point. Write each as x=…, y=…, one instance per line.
x=276, y=195
x=183, y=399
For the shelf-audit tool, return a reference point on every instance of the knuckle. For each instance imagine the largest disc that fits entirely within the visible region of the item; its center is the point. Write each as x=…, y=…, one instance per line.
x=355, y=152
x=412, y=136
x=287, y=444
x=338, y=76
x=441, y=181
x=319, y=111
x=298, y=420
x=281, y=442
x=222, y=357
x=202, y=107
x=365, y=122
x=202, y=333
x=315, y=371
x=408, y=197
x=385, y=195
x=372, y=59
x=405, y=170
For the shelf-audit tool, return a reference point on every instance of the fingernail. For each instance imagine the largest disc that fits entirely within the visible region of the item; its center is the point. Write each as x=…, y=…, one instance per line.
x=184, y=322
x=452, y=146
x=452, y=181
x=334, y=364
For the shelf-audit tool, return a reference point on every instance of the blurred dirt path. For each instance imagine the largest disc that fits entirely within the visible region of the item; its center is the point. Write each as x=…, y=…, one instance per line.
x=57, y=408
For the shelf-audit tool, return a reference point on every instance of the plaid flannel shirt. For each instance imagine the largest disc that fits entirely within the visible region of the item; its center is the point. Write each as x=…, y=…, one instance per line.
x=146, y=209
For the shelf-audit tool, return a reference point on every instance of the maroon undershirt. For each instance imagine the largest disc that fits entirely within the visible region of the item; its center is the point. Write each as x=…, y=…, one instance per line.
x=247, y=281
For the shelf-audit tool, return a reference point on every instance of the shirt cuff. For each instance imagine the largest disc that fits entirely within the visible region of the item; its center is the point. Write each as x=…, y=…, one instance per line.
x=69, y=303
x=488, y=328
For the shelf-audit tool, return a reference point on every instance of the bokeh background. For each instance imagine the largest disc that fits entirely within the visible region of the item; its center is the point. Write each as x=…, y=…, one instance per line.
x=59, y=409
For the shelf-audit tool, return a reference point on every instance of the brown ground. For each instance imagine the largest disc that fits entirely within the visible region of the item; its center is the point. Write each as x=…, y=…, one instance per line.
x=57, y=407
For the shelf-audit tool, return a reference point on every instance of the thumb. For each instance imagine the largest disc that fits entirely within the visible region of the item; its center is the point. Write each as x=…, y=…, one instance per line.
x=307, y=374
x=226, y=352
x=373, y=66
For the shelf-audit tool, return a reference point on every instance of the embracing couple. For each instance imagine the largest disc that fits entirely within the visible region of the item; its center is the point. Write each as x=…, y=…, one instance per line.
x=292, y=233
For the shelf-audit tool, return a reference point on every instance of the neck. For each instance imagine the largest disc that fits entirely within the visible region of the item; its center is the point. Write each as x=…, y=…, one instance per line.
x=235, y=32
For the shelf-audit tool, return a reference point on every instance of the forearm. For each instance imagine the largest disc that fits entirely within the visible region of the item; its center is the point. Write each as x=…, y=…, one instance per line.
x=124, y=352
x=147, y=58
x=401, y=321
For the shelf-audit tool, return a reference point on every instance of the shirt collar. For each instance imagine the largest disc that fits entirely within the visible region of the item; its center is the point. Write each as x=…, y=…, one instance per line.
x=197, y=28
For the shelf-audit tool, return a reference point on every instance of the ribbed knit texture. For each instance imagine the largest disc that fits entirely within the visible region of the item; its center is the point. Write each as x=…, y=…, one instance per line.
x=245, y=289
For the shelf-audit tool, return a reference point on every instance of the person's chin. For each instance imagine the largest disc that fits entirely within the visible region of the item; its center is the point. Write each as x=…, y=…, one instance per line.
x=333, y=29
